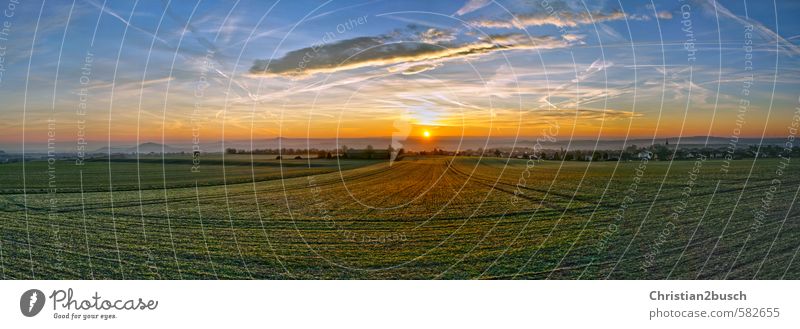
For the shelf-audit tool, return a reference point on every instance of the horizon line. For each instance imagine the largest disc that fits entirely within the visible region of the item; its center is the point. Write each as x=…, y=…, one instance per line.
x=432, y=138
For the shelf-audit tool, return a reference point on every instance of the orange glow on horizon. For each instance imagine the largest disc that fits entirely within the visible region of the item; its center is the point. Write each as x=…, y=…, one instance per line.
x=176, y=131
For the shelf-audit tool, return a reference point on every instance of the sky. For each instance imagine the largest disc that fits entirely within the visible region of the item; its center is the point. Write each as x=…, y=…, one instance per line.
x=136, y=71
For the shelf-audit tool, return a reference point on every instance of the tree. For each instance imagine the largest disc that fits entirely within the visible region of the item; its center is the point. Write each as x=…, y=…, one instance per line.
x=370, y=151
x=661, y=151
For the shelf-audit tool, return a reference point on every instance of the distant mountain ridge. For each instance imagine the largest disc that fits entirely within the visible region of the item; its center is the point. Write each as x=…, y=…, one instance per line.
x=412, y=143
x=453, y=143
x=144, y=148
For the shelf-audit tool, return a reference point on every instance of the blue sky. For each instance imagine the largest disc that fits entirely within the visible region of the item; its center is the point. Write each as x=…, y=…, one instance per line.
x=236, y=69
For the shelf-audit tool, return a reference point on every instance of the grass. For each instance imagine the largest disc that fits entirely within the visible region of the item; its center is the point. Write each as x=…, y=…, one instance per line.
x=427, y=217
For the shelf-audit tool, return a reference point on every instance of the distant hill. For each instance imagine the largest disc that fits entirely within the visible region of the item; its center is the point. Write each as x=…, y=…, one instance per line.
x=416, y=143
x=144, y=148
x=411, y=143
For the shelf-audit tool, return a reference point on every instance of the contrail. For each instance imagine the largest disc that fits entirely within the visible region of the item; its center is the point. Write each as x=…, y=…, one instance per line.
x=125, y=21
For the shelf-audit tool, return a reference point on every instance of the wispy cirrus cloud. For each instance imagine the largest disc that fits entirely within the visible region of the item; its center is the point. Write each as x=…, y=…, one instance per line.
x=125, y=21
x=664, y=15
x=562, y=18
x=715, y=8
x=563, y=14
x=472, y=5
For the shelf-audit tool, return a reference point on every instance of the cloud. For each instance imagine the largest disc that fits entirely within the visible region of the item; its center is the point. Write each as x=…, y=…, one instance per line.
x=20, y=49
x=715, y=8
x=558, y=18
x=563, y=17
x=133, y=84
x=433, y=35
x=510, y=117
x=119, y=17
x=378, y=51
x=472, y=5
x=596, y=66
x=571, y=37
x=406, y=69
x=664, y=15
x=588, y=114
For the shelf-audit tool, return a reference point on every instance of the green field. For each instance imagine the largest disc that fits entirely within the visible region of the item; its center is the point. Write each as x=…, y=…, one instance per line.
x=427, y=217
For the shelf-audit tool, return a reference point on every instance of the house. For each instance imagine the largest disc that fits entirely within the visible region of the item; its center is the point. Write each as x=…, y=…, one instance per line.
x=644, y=155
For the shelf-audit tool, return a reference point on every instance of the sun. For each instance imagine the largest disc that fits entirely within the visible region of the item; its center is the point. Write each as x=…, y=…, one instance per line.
x=426, y=133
